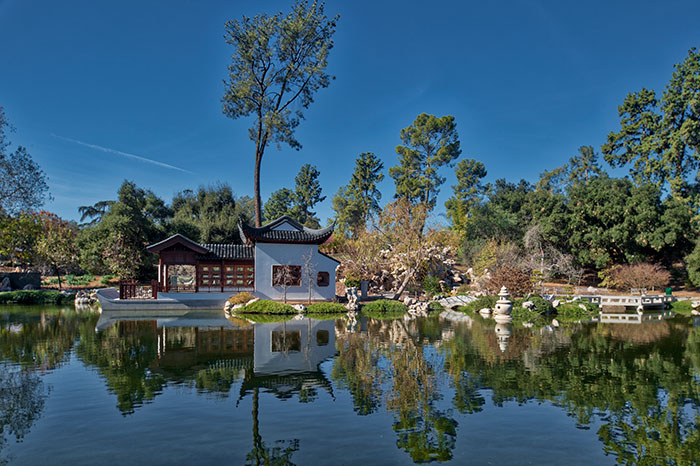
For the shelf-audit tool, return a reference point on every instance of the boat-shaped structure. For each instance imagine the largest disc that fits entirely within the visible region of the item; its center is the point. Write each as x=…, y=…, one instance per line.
x=110, y=301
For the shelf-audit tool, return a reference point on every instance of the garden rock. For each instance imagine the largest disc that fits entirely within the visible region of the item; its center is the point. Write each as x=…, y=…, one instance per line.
x=28, y=286
x=299, y=307
x=254, y=300
x=529, y=305
x=5, y=284
x=583, y=306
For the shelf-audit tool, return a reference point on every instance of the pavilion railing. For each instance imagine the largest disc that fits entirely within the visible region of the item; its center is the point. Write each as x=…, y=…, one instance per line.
x=130, y=289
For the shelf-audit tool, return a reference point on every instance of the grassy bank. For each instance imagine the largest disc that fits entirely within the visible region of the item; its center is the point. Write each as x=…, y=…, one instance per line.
x=36, y=297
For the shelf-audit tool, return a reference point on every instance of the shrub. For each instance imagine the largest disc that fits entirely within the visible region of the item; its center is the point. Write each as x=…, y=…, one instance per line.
x=573, y=311
x=435, y=306
x=36, y=297
x=265, y=306
x=692, y=263
x=385, y=305
x=105, y=280
x=642, y=275
x=682, y=307
x=541, y=305
x=480, y=303
x=241, y=298
x=517, y=281
x=325, y=308
x=352, y=283
x=431, y=285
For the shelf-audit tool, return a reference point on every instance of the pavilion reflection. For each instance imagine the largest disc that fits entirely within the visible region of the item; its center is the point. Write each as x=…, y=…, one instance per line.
x=214, y=352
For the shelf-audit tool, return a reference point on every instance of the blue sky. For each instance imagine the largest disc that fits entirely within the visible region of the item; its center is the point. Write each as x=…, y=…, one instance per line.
x=96, y=88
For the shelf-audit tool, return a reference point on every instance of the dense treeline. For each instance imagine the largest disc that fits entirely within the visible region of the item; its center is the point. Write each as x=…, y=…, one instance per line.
x=574, y=218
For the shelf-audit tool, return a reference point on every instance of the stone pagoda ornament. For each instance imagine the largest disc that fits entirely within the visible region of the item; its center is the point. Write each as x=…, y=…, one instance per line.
x=503, y=308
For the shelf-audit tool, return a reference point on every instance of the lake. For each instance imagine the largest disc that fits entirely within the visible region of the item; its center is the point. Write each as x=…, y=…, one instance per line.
x=198, y=388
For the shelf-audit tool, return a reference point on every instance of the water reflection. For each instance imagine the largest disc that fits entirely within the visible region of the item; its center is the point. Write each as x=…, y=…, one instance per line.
x=638, y=384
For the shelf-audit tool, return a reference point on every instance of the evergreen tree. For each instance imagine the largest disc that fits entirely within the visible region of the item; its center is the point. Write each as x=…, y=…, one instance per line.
x=298, y=203
x=428, y=144
x=584, y=166
x=281, y=202
x=307, y=194
x=23, y=184
x=278, y=64
x=355, y=203
x=210, y=215
x=660, y=138
x=468, y=191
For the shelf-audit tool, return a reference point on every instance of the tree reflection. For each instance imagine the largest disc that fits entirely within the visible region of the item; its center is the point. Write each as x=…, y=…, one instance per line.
x=41, y=339
x=641, y=381
x=392, y=360
x=122, y=354
x=21, y=402
x=637, y=378
x=262, y=454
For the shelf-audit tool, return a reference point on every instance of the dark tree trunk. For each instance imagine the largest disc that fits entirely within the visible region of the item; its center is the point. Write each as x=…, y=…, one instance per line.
x=258, y=201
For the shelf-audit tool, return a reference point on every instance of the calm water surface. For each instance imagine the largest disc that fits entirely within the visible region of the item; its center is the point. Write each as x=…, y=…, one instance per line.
x=197, y=388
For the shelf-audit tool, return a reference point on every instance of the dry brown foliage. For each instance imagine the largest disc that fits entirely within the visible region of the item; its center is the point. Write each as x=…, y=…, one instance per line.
x=642, y=275
x=517, y=281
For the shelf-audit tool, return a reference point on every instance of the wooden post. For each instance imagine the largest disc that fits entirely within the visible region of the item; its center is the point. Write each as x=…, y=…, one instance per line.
x=196, y=277
x=221, y=276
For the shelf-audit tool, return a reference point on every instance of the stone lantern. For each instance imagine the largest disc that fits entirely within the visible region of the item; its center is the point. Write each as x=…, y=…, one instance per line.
x=503, y=307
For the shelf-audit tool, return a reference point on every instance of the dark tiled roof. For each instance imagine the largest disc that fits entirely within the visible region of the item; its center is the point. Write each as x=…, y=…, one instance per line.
x=301, y=234
x=227, y=251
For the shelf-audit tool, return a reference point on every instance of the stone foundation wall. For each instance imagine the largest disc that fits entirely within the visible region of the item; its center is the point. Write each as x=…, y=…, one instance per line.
x=19, y=280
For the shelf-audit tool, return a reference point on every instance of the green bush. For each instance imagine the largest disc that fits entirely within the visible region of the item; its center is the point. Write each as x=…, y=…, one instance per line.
x=692, y=264
x=435, y=306
x=682, y=307
x=431, y=285
x=572, y=311
x=106, y=279
x=241, y=298
x=384, y=305
x=480, y=303
x=36, y=297
x=325, y=308
x=265, y=306
x=541, y=305
x=351, y=282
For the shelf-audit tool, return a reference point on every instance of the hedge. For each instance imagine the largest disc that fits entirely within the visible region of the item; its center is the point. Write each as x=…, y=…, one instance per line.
x=265, y=306
x=36, y=297
x=384, y=305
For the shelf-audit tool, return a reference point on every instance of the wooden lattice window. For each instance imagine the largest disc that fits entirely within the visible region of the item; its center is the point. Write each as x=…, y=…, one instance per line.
x=323, y=279
x=209, y=275
x=286, y=275
x=239, y=275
